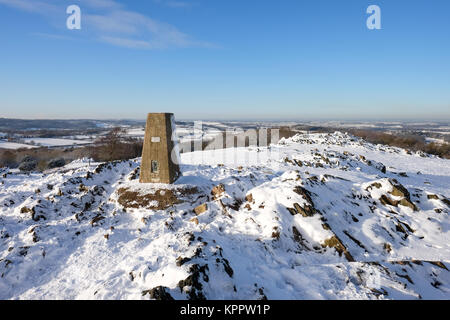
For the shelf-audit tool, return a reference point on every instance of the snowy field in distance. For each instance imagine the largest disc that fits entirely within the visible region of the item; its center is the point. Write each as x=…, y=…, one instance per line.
x=13, y=145
x=52, y=142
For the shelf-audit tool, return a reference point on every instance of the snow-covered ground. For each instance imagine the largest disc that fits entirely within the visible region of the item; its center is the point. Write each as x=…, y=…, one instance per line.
x=14, y=146
x=30, y=143
x=317, y=216
x=434, y=140
x=186, y=133
x=53, y=142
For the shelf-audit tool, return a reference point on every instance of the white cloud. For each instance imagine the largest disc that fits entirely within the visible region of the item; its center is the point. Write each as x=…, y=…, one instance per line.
x=36, y=6
x=108, y=21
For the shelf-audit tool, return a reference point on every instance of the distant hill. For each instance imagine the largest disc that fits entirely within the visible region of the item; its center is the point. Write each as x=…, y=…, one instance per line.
x=23, y=124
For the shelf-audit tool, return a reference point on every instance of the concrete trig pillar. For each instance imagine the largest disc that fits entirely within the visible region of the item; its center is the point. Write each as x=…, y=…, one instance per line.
x=158, y=165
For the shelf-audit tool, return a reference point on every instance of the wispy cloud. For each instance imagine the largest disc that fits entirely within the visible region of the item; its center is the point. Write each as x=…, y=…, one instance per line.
x=105, y=4
x=41, y=7
x=129, y=43
x=110, y=22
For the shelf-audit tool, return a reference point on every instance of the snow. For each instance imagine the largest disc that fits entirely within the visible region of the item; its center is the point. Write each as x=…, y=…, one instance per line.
x=435, y=140
x=139, y=132
x=242, y=247
x=51, y=142
x=14, y=146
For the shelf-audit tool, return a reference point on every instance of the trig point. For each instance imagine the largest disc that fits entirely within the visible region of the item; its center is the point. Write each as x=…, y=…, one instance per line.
x=157, y=165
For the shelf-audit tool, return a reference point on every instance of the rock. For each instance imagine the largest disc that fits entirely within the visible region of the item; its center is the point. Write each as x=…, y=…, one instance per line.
x=26, y=210
x=398, y=190
x=56, y=163
x=249, y=198
x=97, y=219
x=298, y=237
x=299, y=163
x=276, y=235
x=306, y=211
x=36, y=216
x=158, y=293
x=446, y=201
x=438, y=264
x=385, y=200
x=194, y=220
x=304, y=193
x=292, y=211
x=432, y=196
x=407, y=203
x=335, y=242
x=201, y=209
x=217, y=191
x=180, y=261
x=376, y=185
x=192, y=285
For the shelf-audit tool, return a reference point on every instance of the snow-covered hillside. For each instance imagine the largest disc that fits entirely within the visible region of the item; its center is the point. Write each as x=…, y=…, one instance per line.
x=318, y=216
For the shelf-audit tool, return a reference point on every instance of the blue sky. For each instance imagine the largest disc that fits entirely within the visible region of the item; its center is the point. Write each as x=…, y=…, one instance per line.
x=217, y=59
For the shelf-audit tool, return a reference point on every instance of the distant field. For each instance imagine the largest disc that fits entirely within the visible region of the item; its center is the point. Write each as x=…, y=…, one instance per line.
x=51, y=142
x=13, y=145
x=42, y=142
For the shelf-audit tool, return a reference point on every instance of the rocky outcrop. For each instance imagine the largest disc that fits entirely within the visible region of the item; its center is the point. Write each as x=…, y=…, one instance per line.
x=335, y=242
x=158, y=293
x=201, y=209
x=218, y=191
x=192, y=285
x=308, y=209
x=391, y=198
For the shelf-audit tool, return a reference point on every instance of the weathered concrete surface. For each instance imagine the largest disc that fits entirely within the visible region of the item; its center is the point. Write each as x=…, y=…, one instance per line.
x=158, y=146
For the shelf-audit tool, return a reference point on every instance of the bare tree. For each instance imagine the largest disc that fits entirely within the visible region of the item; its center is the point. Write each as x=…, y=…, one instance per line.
x=115, y=145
